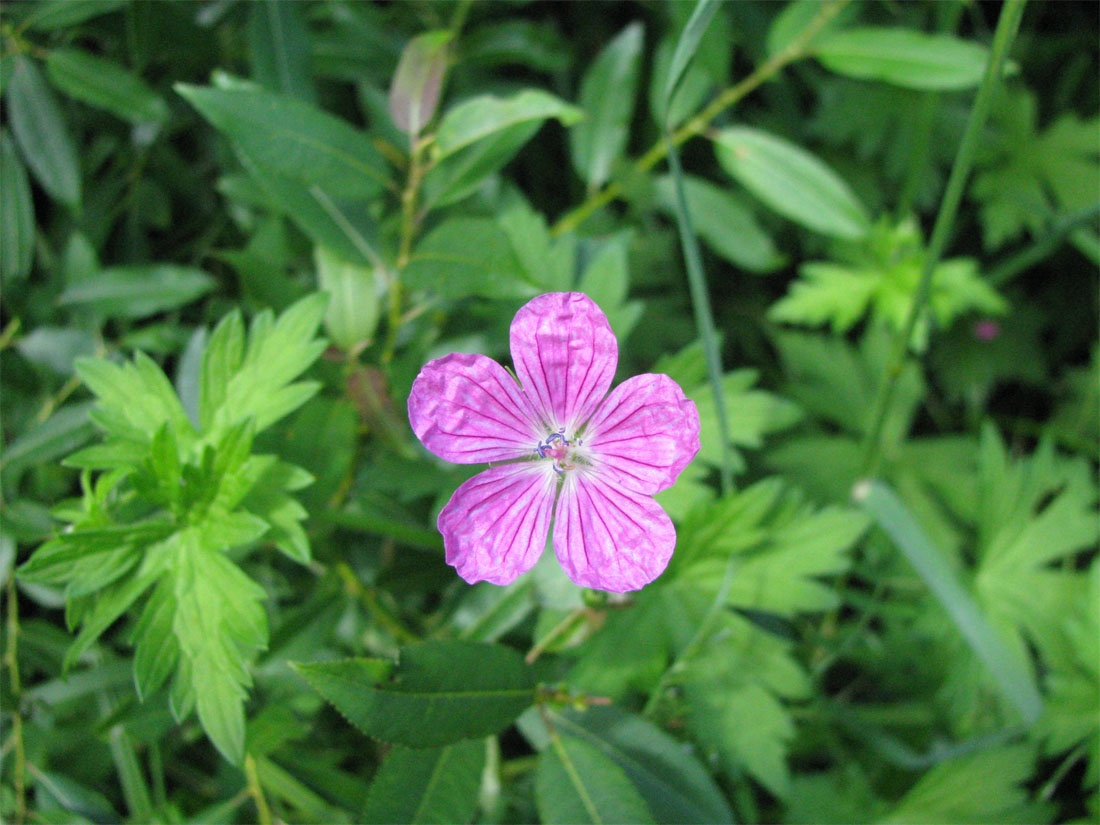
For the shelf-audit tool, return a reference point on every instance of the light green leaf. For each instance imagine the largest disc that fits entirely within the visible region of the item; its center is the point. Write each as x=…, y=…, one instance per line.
x=792, y=182
x=459, y=175
x=135, y=399
x=42, y=134
x=669, y=778
x=353, y=305
x=468, y=256
x=292, y=138
x=723, y=222
x=106, y=85
x=137, y=291
x=278, y=46
x=16, y=215
x=434, y=786
x=607, y=98
x=576, y=783
x=51, y=15
x=795, y=17
x=478, y=117
x=903, y=57
x=686, y=46
x=435, y=694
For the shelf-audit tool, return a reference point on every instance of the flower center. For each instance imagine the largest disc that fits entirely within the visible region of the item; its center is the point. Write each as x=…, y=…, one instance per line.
x=559, y=450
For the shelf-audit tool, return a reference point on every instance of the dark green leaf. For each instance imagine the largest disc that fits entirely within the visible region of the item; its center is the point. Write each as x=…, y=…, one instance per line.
x=468, y=256
x=138, y=291
x=42, y=133
x=292, y=138
x=669, y=778
x=278, y=44
x=105, y=85
x=575, y=782
x=16, y=215
x=435, y=786
x=51, y=15
x=437, y=692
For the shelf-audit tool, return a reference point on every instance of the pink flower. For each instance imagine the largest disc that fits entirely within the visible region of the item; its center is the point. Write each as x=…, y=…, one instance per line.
x=565, y=451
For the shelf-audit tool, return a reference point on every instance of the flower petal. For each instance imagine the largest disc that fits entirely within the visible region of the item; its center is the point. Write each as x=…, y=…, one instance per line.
x=644, y=434
x=495, y=525
x=467, y=409
x=610, y=538
x=565, y=355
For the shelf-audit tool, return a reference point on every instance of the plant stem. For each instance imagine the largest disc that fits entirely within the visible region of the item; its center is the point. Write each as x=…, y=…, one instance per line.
x=1007, y=26
x=795, y=50
x=704, y=316
x=1026, y=258
x=562, y=628
x=367, y=595
x=11, y=659
x=263, y=813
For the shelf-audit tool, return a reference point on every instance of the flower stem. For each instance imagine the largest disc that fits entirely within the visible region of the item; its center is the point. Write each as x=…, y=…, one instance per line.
x=562, y=628
x=1007, y=26
x=795, y=50
x=256, y=791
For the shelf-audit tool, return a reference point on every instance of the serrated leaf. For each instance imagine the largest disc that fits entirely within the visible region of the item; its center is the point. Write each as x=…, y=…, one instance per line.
x=793, y=182
x=434, y=786
x=437, y=692
x=137, y=291
x=575, y=782
x=134, y=399
x=903, y=57
x=607, y=97
x=106, y=85
x=41, y=132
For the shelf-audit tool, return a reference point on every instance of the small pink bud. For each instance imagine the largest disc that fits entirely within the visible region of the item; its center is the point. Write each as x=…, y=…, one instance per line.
x=987, y=330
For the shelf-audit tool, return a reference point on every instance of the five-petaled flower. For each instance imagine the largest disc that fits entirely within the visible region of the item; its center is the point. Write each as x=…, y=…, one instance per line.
x=561, y=450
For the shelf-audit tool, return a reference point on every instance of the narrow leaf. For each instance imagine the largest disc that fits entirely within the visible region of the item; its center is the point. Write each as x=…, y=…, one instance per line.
x=106, y=85
x=137, y=291
x=481, y=116
x=278, y=46
x=1010, y=675
x=903, y=57
x=42, y=133
x=16, y=215
x=418, y=81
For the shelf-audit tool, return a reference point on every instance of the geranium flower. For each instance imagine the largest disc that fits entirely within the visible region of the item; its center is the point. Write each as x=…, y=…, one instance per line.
x=560, y=449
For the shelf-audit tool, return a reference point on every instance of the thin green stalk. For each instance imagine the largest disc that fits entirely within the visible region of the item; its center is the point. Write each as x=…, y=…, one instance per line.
x=704, y=317
x=701, y=635
x=1026, y=258
x=11, y=659
x=561, y=629
x=1007, y=26
x=795, y=50
x=263, y=813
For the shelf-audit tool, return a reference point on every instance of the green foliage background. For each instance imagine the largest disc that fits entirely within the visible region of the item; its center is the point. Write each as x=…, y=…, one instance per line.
x=863, y=236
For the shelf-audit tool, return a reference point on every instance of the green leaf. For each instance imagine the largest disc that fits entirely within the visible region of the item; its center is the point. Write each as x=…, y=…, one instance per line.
x=353, y=305
x=724, y=223
x=468, y=256
x=16, y=215
x=137, y=291
x=792, y=182
x=435, y=694
x=44, y=443
x=458, y=176
x=106, y=85
x=903, y=57
x=686, y=46
x=1012, y=678
x=794, y=18
x=947, y=793
x=607, y=98
x=435, y=786
x=42, y=134
x=278, y=46
x=51, y=15
x=575, y=782
x=292, y=138
x=479, y=117
x=669, y=778
x=418, y=81
x=135, y=399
